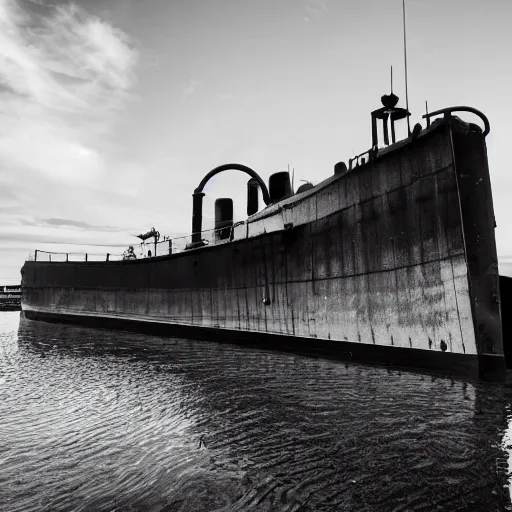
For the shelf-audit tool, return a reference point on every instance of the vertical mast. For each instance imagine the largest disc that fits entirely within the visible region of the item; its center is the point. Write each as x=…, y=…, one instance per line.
x=405, y=62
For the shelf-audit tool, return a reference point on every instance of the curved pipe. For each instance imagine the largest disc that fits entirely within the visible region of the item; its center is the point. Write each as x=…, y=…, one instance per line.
x=448, y=111
x=197, y=196
x=235, y=167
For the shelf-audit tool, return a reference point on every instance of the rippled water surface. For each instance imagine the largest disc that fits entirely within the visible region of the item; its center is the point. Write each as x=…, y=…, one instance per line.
x=95, y=420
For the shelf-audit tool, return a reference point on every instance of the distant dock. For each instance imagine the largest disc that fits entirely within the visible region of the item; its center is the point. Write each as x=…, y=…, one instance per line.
x=10, y=298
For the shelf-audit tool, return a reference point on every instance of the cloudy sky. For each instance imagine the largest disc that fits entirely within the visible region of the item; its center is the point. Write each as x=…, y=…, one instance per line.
x=111, y=111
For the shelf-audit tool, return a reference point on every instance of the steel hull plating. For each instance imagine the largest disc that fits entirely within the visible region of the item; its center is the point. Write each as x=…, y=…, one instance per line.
x=394, y=261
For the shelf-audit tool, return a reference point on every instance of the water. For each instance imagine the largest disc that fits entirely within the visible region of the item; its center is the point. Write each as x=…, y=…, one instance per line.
x=95, y=420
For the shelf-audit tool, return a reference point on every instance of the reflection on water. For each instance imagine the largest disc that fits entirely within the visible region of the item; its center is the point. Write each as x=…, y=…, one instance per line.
x=506, y=445
x=101, y=420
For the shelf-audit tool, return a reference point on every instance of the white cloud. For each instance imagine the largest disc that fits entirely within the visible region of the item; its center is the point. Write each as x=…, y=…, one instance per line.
x=226, y=96
x=315, y=8
x=63, y=75
x=191, y=88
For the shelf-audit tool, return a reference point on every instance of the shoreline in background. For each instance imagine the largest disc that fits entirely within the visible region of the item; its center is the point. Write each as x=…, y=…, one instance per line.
x=10, y=298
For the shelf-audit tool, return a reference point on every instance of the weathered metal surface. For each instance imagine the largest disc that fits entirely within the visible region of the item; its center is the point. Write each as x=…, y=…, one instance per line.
x=376, y=256
x=474, y=186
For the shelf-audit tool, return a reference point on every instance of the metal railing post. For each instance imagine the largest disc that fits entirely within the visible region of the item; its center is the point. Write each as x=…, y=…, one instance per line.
x=50, y=256
x=67, y=257
x=108, y=256
x=35, y=256
x=85, y=256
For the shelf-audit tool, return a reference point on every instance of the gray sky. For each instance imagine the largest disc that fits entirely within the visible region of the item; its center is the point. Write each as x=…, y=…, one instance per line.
x=112, y=111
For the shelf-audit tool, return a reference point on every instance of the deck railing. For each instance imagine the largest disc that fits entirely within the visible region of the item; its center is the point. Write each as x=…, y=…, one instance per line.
x=145, y=250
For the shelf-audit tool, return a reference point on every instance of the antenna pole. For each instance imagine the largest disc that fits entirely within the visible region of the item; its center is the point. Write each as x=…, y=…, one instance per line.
x=391, y=79
x=405, y=62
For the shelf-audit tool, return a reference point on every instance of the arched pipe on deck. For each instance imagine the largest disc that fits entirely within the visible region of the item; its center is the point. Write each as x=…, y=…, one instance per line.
x=448, y=111
x=197, y=196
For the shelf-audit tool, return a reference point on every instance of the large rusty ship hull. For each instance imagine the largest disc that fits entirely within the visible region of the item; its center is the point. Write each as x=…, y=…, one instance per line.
x=393, y=261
